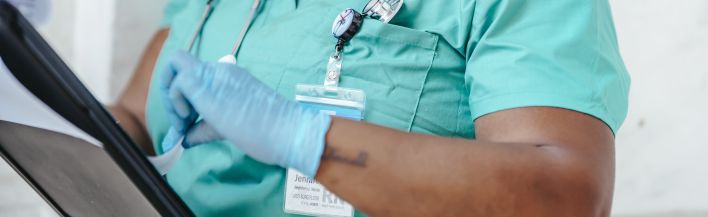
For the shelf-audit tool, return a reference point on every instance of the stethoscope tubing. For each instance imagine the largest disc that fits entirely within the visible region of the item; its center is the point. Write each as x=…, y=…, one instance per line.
x=242, y=34
x=195, y=34
x=246, y=26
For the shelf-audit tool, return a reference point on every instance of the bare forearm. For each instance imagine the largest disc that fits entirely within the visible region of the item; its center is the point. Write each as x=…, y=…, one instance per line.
x=135, y=129
x=129, y=110
x=385, y=172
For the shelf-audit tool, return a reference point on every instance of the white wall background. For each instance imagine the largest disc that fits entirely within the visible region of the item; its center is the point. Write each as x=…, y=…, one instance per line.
x=662, y=150
x=662, y=162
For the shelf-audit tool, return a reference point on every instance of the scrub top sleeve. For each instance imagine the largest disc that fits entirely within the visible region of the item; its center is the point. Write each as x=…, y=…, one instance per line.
x=559, y=53
x=172, y=8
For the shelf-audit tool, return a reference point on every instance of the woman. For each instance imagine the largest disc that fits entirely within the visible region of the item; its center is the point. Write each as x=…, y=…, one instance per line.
x=474, y=108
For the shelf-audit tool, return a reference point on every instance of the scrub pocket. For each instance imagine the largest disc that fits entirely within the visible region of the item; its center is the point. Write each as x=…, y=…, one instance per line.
x=391, y=64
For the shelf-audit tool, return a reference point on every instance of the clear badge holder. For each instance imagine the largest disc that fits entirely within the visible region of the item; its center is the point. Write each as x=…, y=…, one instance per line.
x=331, y=99
x=303, y=195
x=340, y=102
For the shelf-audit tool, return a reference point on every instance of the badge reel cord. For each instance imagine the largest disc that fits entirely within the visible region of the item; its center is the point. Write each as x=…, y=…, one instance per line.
x=347, y=24
x=163, y=163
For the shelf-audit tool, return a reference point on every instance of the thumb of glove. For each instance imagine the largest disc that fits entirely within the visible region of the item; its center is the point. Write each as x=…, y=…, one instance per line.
x=171, y=139
x=199, y=134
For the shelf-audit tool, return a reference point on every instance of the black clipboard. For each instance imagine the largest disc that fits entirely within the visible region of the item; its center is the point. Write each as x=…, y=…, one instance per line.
x=73, y=176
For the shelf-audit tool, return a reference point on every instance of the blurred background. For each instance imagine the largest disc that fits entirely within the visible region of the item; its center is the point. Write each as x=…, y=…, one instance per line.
x=662, y=149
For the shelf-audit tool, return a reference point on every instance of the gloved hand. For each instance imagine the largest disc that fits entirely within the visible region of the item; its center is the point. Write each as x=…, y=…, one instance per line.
x=236, y=106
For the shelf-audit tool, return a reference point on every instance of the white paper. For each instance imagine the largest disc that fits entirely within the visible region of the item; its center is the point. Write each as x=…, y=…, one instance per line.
x=163, y=163
x=19, y=105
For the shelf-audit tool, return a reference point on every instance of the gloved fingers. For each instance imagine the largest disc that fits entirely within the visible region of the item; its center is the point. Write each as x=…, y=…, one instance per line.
x=199, y=134
x=165, y=82
x=177, y=120
x=171, y=139
x=182, y=113
x=183, y=62
x=166, y=77
x=178, y=109
x=188, y=88
x=180, y=62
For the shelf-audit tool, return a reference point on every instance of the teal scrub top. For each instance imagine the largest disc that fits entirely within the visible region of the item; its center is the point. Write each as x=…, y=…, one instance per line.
x=434, y=69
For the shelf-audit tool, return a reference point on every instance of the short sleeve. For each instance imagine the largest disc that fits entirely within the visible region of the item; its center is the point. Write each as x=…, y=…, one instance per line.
x=560, y=53
x=172, y=8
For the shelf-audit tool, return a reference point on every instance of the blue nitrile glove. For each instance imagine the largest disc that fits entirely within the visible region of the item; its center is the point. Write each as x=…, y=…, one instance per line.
x=238, y=107
x=181, y=115
x=171, y=139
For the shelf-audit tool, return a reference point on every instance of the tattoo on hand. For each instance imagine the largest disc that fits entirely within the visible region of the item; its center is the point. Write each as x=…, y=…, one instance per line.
x=333, y=155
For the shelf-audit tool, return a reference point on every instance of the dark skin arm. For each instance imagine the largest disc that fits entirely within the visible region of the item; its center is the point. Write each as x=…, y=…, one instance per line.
x=535, y=161
x=525, y=162
x=129, y=110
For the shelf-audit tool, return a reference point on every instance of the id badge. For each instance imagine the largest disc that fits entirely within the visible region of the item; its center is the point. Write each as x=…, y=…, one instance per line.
x=304, y=195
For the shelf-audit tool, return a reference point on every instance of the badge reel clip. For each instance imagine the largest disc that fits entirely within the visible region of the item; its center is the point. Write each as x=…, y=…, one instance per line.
x=383, y=10
x=330, y=98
